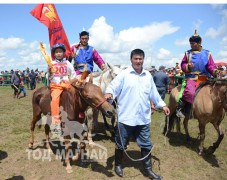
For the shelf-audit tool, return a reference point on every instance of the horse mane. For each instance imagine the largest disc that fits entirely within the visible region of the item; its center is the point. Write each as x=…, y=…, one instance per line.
x=96, y=74
x=205, y=83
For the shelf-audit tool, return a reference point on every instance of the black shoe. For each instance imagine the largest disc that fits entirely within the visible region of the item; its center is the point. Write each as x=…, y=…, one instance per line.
x=118, y=162
x=149, y=173
x=118, y=170
x=147, y=164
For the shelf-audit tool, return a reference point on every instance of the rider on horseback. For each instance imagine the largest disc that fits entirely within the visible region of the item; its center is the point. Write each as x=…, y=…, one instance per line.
x=85, y=55
x=59, y=80
x=196, y=61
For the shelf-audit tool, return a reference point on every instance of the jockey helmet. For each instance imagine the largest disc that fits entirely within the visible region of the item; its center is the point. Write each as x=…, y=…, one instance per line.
x=58, y=45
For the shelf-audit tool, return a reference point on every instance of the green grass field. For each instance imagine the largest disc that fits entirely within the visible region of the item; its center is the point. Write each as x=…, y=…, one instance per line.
x=175, y=159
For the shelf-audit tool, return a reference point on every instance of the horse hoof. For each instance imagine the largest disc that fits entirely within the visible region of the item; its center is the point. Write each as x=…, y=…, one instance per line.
x=50, y=151
x=82, y=145
x=30, y=145
x=69, y=169
x=188, y=140
x=210, y=150
x=91, y=144
x=76, y=157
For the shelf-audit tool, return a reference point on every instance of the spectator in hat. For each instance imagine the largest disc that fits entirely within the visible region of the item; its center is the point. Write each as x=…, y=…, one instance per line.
x=162, y=81
x=224, y=73
x=177, y=66
x=32, y=78
x=15, y=81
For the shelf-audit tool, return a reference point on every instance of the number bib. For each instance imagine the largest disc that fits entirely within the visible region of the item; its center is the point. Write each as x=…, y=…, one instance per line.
x=60, y=69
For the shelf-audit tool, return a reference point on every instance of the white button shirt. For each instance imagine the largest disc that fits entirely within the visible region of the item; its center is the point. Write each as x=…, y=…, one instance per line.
x=134, y=92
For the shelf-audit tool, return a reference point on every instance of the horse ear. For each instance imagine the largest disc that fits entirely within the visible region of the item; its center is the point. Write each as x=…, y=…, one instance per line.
x=77, y=83
x=110, y=66
x=90, y=78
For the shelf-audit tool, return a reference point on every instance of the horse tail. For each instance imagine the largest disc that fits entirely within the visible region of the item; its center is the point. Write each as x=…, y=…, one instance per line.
x=169, y=122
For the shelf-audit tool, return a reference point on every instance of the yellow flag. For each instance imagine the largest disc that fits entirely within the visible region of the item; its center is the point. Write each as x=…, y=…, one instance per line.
x=46, y=56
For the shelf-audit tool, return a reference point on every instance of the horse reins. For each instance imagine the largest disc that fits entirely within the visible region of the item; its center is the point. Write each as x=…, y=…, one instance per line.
x=92, y=105
x=97, y=106
x=139, y=159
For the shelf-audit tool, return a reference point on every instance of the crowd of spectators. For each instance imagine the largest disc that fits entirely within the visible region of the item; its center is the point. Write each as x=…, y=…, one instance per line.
x=30, y=77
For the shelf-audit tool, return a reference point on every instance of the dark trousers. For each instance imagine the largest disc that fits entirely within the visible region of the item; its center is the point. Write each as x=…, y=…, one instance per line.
x=33, y=85
x=15, y=89
x=140, y=132
x=162, y=92
x=22, y=89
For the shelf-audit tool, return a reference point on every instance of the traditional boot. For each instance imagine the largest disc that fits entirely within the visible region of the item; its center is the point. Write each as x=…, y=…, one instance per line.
x=118, y=162
x=180, y=108
x=147, y=165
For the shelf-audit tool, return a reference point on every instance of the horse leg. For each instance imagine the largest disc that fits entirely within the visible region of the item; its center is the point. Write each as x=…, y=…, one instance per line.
x=95, y=118
x=202, y=137
x=178, y=124
x=188, y=138
x=212, y=149
x=47, y=131
x=107, y=126
x=81, y=148
x=67, y=152
x=90, y=125
x=36, y=117
x=169, y=123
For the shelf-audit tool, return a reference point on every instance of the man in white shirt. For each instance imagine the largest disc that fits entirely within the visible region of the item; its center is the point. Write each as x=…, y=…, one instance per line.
x=134, y=89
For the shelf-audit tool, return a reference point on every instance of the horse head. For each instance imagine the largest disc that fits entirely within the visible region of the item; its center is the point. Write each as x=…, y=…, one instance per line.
x=92, y=95
x=114, y=70
x=102, y=79
x=221, y=90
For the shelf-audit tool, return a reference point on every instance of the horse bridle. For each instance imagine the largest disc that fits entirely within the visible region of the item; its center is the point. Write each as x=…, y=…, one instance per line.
x=225, y=93
x=90, y=104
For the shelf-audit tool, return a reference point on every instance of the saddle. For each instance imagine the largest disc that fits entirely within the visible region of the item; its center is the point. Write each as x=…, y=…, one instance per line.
x=200, y=83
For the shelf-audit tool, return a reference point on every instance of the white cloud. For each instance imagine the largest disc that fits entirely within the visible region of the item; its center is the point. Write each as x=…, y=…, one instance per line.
x=182, y=42
x=25, y=54
x=222, y=54
x=220, y=31
x=11, y=43
x=212, y=33
x=115, y=48
x=218, y=6
x=197, y=25
x=163, y=53
x=166, y=58
x=2, y=54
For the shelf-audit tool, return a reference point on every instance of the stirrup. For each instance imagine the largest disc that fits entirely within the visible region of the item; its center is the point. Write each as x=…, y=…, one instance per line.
x=180, y=114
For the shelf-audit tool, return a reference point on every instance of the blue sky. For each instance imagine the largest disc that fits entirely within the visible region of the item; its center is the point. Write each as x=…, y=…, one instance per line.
x=161, y=30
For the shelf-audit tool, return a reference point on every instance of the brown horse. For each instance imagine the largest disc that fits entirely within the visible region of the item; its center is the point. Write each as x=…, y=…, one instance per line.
x=209, y=105
x=73, y=101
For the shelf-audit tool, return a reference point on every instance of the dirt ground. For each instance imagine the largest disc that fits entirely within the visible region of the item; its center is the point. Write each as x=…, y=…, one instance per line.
x=173, y=158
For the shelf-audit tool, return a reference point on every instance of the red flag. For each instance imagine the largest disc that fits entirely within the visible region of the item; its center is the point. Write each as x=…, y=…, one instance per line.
x=47, y=14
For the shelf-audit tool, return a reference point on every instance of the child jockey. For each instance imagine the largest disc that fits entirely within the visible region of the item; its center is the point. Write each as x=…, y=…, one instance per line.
x=59, y=80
